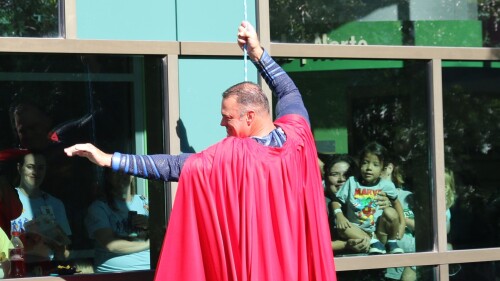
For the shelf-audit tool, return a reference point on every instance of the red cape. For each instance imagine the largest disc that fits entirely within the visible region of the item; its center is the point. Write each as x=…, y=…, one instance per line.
x=12, y=154
x=10, y=205
x=244, y=211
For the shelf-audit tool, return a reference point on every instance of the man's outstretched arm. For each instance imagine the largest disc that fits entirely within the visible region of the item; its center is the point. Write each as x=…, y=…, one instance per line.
x=157, y=167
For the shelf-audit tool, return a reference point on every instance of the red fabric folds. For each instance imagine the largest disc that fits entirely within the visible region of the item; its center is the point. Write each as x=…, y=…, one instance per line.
x=12, y=154
x=244, y=211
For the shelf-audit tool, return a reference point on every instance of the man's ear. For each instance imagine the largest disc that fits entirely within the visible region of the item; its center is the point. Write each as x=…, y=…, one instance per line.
x=250, y=117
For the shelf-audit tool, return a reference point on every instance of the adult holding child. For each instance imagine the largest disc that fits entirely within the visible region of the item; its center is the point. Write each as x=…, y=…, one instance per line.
x=363, y=217
x=250, y=207
x=337, y=169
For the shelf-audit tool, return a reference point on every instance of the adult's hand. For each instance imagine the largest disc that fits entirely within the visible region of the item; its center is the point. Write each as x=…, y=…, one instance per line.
x=247, y=36
x=91, y=152
x=383, y=201
x=140, y=221
x=359, y=245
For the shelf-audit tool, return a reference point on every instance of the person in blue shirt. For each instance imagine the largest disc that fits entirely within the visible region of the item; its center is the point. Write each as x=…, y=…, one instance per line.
x=118, y=223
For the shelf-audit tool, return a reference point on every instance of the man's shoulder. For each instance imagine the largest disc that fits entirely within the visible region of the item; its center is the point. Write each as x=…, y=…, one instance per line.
x=225, y=144
x=291, y=119
x=295, y=126
x=199, y=160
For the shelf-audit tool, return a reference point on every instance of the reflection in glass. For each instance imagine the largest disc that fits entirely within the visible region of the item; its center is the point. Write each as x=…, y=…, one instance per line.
x=472, y=149
x=29, y=18
x=481, y=271
x=354, y=102
x=118, y=221
x=410, y=273
x=43, y=225
x=49, y=102
x=409, y=23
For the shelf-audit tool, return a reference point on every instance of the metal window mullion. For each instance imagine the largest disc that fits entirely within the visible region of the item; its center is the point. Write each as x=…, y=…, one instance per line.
x=172, y=114
x=438, y=162
x=67, y=21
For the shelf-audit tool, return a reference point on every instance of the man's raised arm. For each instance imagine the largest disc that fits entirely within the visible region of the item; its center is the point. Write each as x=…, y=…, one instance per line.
x=289, y=98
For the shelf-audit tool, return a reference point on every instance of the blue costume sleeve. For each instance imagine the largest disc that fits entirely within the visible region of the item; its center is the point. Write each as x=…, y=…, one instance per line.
x=155, y=167
x=284, y=89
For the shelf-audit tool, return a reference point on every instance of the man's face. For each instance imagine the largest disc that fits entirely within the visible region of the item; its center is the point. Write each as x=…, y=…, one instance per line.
x=32, y=128
x=32, y=171
x=236, y=125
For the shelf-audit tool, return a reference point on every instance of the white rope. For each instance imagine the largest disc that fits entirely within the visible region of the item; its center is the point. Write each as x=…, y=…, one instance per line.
x=245, y=55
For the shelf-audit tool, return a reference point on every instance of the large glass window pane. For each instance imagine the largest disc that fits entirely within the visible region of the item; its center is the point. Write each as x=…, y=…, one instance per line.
x=37, y=18
x=352, y=103
x=409, y=273
x=49, y=102
x=480, y=271
x=409, y=23
x=471, y=103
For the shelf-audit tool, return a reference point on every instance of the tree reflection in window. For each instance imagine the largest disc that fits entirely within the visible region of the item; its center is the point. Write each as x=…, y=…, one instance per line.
x=34, y=18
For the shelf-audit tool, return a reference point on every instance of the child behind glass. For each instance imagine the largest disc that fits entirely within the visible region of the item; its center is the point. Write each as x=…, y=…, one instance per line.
x=363, y=216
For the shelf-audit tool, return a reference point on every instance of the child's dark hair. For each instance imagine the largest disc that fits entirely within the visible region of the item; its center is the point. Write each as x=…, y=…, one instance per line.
x=374, y=148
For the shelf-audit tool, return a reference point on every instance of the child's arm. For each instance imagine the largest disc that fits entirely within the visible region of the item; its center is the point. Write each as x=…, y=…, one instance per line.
x=410, y=223
x=340, y=220
x=402, y=222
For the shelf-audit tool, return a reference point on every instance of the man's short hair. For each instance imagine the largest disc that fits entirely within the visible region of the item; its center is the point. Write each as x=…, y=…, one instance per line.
x=249, y=95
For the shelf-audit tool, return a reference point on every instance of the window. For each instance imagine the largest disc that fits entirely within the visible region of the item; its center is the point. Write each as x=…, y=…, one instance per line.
x=352, y=103
x=40, y=18
x=50, y=102
x=400, y=273
x=409, y=23
x=471, y=116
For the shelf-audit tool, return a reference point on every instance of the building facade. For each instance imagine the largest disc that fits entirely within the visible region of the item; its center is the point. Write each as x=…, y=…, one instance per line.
x=146, y=77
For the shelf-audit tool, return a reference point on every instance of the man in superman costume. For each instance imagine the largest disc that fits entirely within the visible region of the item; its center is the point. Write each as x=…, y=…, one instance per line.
x=250, y=207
